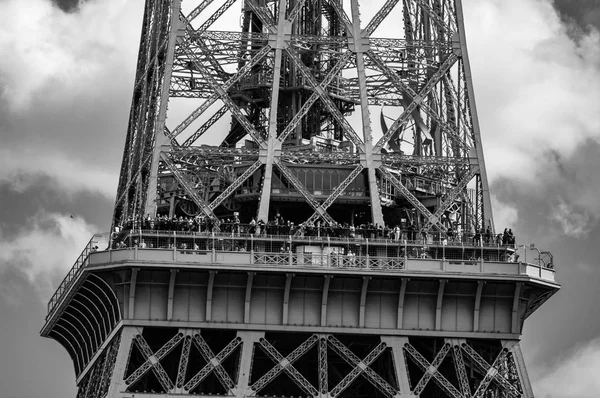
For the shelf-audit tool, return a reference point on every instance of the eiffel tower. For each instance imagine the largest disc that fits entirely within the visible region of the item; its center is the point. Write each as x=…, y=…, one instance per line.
x=302, y=211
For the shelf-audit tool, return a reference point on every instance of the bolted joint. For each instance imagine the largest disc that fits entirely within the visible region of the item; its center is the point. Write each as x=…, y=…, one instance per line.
x=279, y=40
x=359, y=45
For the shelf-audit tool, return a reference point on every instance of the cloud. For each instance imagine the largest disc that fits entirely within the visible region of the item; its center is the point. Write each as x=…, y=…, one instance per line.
x=23, y=169
x=43, y=250
x=572, y=375
x=536, y=87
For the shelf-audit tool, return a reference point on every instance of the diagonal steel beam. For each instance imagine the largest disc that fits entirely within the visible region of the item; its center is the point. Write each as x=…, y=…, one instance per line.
x=335, y=112
x=454, y=193
x=409, y=95
x=216, y=15
x=235, y=110
x=283, y=363
x=288, y=367
x=234, y=185
x=183, y=361
x=379, y=17
x=431, y=370
x=204, y=128
x=213, y=363
x=461, y=370
x=199, y=8
x=417, y=99
x=153, y=361
x=335, y=194
x=491, y=372
x=223, y=89
x=438, y=377
x=310, y=199
x=360, y=367
x=410, y=197
x=188, y=187
x=314, y=97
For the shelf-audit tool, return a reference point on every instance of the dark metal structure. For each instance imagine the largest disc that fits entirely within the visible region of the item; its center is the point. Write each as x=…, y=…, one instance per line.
x=302, y=210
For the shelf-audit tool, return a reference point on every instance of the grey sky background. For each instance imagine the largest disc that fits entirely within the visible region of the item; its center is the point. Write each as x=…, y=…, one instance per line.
x=66, y=75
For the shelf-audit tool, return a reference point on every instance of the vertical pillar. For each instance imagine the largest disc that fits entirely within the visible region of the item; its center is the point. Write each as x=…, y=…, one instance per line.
x=396, y=343
x=517, y=354
x=242, y=389
x=117, y=379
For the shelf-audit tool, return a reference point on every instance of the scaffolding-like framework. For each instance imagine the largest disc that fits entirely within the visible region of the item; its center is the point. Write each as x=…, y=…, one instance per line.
x=299, y=81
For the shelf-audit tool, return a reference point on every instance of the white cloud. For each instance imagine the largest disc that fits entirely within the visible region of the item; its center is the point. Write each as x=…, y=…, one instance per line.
x=57, y=55
x=573, y=223
x=44, y=249
x=23, y=169
x=506, y=215
x=572, y=375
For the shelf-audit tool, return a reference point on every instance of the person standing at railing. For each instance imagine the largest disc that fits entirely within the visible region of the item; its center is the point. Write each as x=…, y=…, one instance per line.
x=252, y=229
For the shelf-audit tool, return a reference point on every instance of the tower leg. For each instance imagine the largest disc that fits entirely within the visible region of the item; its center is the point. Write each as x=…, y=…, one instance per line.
x=396, y=343
x=248, y=339
x=521, y=370
x=117, y=382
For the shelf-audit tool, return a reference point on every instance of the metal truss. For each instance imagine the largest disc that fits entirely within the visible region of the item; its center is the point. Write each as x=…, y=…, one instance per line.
x=361, y=367
x=285, y=364
x=282, y=85
x=213, y=363
x=431, y=370
x=153, y=361
x=492, y=372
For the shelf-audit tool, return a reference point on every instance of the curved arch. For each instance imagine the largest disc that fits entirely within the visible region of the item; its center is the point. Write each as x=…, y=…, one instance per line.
x=90, y=326
x=97, y=312
x=118, y=316
x=79, y=359
x=106, y=311
x=90, y=342
x=81, y=342
x=97, y=326
x=63, y=341
x=111, y=298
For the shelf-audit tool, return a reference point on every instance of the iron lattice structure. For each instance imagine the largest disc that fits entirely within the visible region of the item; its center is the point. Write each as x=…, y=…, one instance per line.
x=305, y=114
x=298, y=83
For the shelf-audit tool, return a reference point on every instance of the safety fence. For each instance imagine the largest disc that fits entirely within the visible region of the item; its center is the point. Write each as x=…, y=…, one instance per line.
x=97, y=242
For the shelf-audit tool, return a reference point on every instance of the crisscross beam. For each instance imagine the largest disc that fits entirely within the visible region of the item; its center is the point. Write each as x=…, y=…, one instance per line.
x=205, y=127
x=335, y=194
x=491, y=372
x=283, y=363
x=310, y=199
x=222, y=93
x=223, y=89
x=335, y=112
x=360, y=367
x=437, y=376
x=410, y=197
x=187, y=186
x=454, y=193
x=234, y=185
x=213, y=363
x=431, y=370
x=417, y=99
x=153, y=361
x=286, y=364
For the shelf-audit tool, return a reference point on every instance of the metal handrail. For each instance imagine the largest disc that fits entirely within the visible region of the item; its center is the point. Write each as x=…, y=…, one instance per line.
x=75, y=270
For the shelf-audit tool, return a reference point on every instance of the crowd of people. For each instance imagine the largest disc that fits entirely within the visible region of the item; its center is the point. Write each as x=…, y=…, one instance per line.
x=278, y=226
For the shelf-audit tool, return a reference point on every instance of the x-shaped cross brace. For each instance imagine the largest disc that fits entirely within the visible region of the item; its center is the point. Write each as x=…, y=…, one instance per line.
x=153, y=361
x=360, y=367
x=213, y=363
x=431, y=370
x=492, y=372
x=285, y=365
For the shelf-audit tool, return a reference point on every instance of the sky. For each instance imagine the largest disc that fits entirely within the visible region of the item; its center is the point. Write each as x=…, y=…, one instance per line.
x=66, y=77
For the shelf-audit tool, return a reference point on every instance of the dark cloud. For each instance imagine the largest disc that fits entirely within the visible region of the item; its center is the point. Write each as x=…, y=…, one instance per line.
x=584, y=13
x=67, y=5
